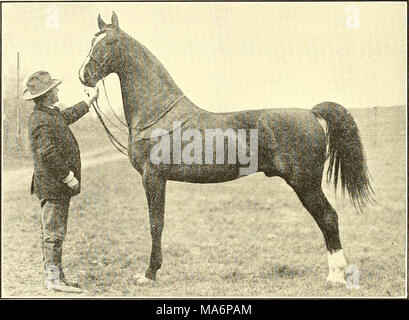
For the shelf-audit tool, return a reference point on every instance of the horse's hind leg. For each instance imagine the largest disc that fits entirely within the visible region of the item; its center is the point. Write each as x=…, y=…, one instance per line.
x=155, y=194
x=314, y=200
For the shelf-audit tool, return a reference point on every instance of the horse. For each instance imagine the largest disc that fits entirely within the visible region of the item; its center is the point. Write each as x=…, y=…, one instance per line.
x=290, y=143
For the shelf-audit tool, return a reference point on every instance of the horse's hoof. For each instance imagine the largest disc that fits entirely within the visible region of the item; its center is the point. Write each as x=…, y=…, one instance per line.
x=141, y=280
x=336, y=280
x=336, y=284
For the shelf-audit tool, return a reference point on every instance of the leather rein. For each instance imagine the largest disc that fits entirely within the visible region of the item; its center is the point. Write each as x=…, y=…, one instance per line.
x=114, y=140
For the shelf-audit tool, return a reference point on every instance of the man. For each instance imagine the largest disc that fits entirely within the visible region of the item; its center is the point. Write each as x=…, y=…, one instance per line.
x=57, y=169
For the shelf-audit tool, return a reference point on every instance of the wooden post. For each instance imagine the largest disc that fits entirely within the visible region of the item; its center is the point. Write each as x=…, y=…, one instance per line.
x=18, y=99
x=376, y=124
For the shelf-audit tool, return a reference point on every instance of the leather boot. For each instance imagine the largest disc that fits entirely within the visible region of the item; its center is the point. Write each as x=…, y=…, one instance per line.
x=61, y=272
x=53, y=282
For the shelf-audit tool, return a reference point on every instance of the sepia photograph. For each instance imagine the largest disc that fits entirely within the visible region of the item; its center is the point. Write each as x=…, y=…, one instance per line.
x=204, y=150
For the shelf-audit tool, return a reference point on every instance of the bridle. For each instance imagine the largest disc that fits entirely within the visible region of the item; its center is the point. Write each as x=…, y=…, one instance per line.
x=114, y=140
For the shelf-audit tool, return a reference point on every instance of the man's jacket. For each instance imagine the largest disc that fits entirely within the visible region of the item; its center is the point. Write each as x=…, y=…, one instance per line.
x=55, y=150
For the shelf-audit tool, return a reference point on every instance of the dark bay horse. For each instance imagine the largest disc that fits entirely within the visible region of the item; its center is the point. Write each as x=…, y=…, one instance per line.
x=289, y=143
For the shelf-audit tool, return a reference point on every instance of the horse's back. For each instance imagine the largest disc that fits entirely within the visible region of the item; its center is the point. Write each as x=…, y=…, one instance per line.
x=281, y=129
x=290, y=143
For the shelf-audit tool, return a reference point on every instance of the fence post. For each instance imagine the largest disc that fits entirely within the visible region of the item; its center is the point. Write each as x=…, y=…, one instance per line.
x=18, y=98
x=376, y=125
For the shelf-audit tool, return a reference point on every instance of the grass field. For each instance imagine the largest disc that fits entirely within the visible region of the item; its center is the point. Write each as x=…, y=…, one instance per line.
x=249, y=237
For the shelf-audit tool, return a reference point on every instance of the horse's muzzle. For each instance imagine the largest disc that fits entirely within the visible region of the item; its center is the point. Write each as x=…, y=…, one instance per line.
x=84, y=77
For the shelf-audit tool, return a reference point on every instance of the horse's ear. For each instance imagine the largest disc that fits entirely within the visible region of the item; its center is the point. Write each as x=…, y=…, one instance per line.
x=114, y=20
x=101, y=23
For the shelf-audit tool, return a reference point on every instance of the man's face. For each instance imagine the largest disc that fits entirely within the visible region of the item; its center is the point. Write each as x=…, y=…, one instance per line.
x=54, y=95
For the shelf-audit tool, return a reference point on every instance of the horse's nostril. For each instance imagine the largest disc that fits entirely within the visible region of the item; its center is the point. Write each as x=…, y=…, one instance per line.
x=81, y=75
x=84, y=76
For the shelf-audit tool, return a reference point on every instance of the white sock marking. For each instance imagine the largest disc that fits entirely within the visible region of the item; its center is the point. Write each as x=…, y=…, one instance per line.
x=336, y=260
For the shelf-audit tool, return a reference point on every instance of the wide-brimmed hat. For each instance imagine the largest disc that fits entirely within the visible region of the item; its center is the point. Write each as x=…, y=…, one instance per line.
x=38, y=84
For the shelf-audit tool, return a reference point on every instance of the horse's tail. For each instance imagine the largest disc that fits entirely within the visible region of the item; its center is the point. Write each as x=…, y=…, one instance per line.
x=346, y=153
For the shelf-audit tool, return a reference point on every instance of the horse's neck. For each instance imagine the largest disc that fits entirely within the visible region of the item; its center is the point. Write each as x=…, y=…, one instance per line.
x=147, y=88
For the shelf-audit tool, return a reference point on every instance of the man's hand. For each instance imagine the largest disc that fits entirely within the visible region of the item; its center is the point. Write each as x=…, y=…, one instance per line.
x=71, y=181
x=92, y=93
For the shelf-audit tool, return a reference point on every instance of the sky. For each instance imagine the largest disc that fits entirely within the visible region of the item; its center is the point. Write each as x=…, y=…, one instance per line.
x=228, y=56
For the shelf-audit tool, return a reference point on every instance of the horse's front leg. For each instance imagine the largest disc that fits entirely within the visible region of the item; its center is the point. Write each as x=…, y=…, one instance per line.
x=155, y=194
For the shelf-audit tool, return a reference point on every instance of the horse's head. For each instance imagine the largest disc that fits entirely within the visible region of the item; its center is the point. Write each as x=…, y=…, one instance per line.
x=104, y=53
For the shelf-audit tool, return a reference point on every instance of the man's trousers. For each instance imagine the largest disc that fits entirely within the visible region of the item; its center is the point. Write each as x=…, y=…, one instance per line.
x=54, y=218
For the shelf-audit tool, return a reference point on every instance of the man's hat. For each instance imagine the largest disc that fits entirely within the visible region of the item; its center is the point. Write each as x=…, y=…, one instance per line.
x=38, y=84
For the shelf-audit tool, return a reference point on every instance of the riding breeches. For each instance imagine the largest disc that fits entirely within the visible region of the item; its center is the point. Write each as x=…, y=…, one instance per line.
x=54, y=216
